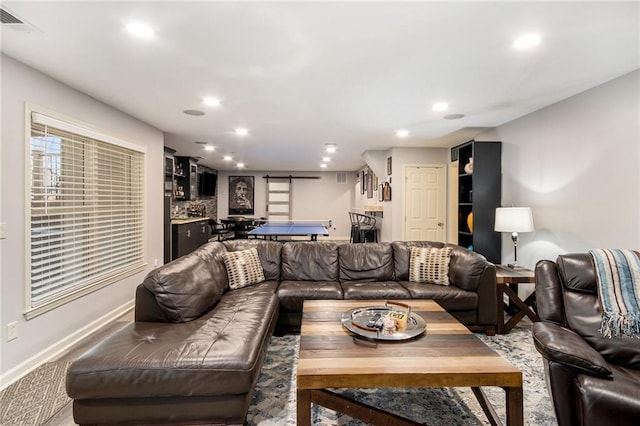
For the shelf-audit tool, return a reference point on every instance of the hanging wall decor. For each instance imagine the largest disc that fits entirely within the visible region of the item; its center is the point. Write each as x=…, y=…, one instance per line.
x=386, y=192
x=241, y=192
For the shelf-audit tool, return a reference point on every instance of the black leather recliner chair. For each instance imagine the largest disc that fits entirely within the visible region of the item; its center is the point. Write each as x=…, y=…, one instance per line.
x=592, y=380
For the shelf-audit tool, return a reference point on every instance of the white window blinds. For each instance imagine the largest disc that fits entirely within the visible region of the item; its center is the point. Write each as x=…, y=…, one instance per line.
x=86, y=212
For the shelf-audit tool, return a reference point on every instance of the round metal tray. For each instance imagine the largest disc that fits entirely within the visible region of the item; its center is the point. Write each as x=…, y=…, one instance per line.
x=356, y=320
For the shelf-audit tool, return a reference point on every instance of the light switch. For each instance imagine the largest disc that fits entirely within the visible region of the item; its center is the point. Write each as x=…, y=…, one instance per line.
x=3, y=230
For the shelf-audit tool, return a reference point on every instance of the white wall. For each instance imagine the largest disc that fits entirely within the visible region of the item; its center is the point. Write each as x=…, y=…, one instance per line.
x=312, y=199
x=40, y=337
x=577, y=165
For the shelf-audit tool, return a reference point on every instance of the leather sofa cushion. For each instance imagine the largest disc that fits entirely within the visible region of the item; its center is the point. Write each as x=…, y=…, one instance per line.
x=270, y=253
x=292, y=294
x=366, y=262
x=374, y=290
x=217, y=354
x=604, y=401
x=466, y=268
x=191, y=285
x=582, y=311
x=449, y=297
x=310, y=261
x=577, y=272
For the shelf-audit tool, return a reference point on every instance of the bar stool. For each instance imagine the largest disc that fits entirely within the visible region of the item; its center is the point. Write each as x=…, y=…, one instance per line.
x=367, y=229
x=355, y=233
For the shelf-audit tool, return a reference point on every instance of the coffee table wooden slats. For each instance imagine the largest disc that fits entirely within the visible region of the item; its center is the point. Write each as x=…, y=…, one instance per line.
x=447, y=355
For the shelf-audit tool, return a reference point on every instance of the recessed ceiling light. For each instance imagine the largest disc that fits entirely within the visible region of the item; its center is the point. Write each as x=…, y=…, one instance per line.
x=227, y=158
x=330, y=147
x=402, y=133
x=193, y=112
x=241, y=131
x=440, y=106
x=453, y=116
x=139, y=29
x=323, y=165
x=240, y=165
x=527, y=41
x=209, y=148
x=212, y=102
x=326, y=159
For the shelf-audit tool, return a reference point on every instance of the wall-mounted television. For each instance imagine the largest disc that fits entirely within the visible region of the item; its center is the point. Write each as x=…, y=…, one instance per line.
x=208, y=184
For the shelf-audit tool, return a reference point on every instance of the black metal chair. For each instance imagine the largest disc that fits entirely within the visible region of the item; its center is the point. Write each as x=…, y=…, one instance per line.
x=355, y=234
x=220, y=230
x=363, y=228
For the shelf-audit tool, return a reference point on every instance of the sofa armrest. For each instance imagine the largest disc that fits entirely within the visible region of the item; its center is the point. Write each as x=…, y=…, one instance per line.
x=146, y=307
x=487, y=289
x=561, y=345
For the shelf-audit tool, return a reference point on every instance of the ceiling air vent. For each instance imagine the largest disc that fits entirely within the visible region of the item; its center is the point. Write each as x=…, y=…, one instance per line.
x=11, y=22
x=8, y=18
x=341, y=177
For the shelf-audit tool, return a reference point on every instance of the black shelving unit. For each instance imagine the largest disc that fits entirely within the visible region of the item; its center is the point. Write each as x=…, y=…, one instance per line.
x=480, y=193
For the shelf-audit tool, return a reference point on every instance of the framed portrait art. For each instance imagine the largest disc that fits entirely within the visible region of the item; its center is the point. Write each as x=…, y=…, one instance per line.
x=241, y=195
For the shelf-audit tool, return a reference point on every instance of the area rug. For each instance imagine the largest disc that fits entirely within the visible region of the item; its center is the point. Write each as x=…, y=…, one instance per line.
x=274, y=402
x=36, y=397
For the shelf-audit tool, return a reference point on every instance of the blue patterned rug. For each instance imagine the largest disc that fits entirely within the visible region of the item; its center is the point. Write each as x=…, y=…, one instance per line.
x=274, y=402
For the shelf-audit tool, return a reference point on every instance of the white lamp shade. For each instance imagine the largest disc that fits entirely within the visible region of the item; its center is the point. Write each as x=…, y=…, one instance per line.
x=514, y=219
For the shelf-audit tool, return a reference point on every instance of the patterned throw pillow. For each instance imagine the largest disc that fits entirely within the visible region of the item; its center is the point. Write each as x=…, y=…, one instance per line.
x=429, y=265
x=243, y=267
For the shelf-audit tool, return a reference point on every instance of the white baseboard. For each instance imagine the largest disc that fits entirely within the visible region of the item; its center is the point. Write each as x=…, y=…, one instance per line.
x=54, y=351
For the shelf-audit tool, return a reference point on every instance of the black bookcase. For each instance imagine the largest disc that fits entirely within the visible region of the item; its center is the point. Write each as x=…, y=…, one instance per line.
x=479, y=193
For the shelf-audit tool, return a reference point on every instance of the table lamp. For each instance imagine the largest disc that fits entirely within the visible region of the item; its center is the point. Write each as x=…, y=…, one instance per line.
x=514, y=220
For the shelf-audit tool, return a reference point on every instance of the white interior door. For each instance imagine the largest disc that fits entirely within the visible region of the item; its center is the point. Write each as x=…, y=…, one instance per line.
x=424, y=206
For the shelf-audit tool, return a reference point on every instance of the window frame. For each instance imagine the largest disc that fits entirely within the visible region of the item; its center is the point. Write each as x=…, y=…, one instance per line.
x=88, y=131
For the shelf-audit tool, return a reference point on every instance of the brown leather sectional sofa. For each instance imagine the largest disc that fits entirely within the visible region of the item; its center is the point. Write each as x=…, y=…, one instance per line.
x=593, y=380
x=195, y=350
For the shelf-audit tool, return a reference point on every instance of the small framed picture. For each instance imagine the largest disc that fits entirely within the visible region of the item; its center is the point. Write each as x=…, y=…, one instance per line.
x=363, y=182
x=388, y=166
x=380, y=192
x=369, y=184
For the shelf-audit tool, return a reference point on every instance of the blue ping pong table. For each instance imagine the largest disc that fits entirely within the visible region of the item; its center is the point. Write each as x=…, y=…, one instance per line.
x=273, y=230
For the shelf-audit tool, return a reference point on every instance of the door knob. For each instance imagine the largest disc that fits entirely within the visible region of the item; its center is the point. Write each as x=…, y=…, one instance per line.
x=440, y=224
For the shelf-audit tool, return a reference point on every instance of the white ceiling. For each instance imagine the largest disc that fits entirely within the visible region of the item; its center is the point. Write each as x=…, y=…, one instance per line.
x=300, y=75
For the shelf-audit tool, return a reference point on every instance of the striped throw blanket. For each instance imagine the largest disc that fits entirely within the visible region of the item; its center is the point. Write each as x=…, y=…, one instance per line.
x=618, y=277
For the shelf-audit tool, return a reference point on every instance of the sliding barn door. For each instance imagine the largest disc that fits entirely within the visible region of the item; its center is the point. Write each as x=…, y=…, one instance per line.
x=278, y=199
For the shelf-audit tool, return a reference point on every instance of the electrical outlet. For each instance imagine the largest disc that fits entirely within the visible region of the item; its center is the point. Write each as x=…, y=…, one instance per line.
x=156, y=262
x=12, y=331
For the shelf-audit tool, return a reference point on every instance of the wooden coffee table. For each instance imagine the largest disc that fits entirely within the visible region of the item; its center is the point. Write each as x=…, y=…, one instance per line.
x=447, y=355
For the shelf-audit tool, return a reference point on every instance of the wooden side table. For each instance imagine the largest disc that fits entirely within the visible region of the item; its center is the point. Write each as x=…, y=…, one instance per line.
x=507, y=280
